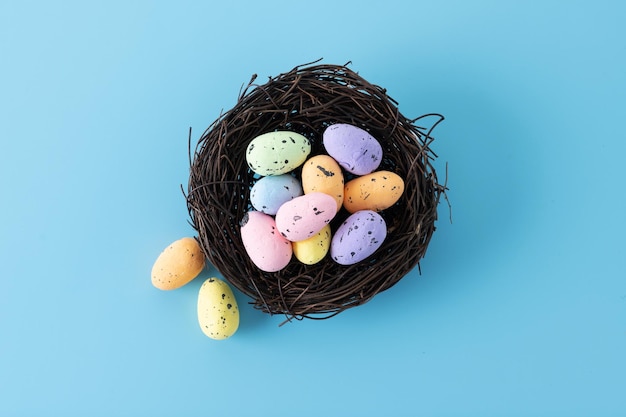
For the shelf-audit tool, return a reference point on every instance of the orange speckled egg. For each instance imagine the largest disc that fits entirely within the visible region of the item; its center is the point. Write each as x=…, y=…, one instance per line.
x=323, y=174
x=178, y=264
x=376, y=191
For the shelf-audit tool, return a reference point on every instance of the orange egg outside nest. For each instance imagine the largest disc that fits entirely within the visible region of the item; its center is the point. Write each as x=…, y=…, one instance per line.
x=178, y=264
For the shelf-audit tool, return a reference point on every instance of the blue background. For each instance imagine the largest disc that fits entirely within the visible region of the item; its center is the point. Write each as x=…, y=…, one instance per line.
x=520, y=309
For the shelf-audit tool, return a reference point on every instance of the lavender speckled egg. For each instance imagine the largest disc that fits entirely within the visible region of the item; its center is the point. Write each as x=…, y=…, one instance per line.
x=358, y=237
x=304, y=216
x=269, y=193
x=353, y=148
x=265, y=246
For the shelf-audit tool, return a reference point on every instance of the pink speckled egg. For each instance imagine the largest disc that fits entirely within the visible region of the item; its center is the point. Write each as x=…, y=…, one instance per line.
x=304, y=216
x=265, y=246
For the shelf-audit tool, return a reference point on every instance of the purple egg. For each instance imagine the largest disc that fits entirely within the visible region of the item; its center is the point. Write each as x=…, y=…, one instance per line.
x=353, y=148
x=358, y=237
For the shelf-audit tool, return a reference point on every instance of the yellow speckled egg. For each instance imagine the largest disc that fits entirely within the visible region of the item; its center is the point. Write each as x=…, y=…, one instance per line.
x=178, y=264
x=312, y=250
x=376, y=191
x=218, y=313
x=323, y=174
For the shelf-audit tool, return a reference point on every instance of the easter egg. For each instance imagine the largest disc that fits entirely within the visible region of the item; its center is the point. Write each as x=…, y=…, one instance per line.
x=322, y=174
x=304, y=216
x=353, y=148
x=218, y=313
x=269, y=193
x=178, y=264
x=376, y=191
x=312, y=250
x=358, y=237
x=277, y=153
x=265, y=246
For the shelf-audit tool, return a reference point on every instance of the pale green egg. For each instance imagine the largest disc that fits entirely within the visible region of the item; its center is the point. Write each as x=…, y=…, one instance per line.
x=277, y=153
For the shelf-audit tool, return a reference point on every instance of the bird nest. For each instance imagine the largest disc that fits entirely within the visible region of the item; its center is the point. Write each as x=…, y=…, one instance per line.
x=306, y=100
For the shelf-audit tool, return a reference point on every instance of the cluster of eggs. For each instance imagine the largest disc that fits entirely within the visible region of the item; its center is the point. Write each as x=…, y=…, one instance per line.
x=292, y=216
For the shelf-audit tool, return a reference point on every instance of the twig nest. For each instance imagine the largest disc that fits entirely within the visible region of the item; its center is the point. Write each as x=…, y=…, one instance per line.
x=306, y=101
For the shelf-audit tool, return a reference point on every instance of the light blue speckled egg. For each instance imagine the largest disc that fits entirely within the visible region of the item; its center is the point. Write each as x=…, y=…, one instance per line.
x=269, y=193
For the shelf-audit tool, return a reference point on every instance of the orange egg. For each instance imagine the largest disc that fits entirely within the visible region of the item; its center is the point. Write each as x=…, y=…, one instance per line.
x=323, y=174
x=376, y=191
x=178, y=264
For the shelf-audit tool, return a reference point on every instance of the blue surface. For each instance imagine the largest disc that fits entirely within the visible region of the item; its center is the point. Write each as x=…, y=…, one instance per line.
x=521, y=306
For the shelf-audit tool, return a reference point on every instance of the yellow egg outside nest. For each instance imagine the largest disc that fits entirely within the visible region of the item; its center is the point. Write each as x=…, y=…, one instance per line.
x=218, y=313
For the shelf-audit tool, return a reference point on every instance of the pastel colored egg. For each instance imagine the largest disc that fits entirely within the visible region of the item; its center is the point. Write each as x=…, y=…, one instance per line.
x=265, y=246
x=358, y=237
x=218, y=313
x=304, y=216
x=322, y=174
x=277, y=153
x=376, y=191
x=269, y=193
x=312, y=250
x=178, y=264
x=353, y=148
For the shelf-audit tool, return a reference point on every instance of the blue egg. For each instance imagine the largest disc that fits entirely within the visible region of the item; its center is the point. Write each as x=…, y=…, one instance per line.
x=269, y=193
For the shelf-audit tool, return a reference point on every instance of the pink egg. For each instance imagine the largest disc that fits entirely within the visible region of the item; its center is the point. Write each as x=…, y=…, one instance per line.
x=304, y=216
x=265, y=246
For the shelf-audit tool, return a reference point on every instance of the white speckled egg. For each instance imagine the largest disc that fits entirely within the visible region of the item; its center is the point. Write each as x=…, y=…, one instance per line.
x=269, y=193
x=358, y=237
x=218, y=313
x=277, y=153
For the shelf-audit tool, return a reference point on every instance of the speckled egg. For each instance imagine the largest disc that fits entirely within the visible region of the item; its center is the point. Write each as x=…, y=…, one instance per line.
x=265, y=246
x=269, y=193
x=321, y=173
x=178, y=264
x=218, y=313
x=312, y=250
x=304, y=216
x=277, y=153
x=376, y=191
x=358, y=237
x=353, y=148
